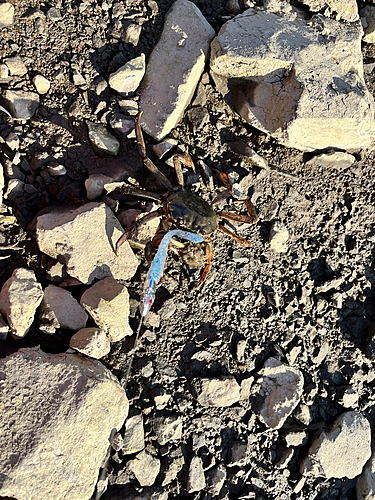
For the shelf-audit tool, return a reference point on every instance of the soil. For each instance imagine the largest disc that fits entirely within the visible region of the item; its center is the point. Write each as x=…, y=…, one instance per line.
x=271, y=300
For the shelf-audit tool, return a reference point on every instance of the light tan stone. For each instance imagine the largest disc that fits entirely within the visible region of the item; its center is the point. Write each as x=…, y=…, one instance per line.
x=85, y=240
x=6, y=14
x=93, y=342
x=58, y=413
x=41, y=84
x=107, y=302
x=127, y=78
x=61, y=309
x=19, y=299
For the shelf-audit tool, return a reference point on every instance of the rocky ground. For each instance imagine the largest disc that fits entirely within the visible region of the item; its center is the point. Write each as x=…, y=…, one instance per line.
x=260, y=383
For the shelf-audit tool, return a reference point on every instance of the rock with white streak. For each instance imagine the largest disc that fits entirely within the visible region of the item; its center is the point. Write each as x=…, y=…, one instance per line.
x=15, y=189
x=278, y=238
x=19, y=299
x=58, y=413
x=78, y=79
x=145, y=466
x=219, y=393
x=93, y=342
x=21, y=105
x=167, y=429
x=301, y=82
x=6, y=14
x=127, y=78
x=341, y=452
x=84, y=239
x=4, y=328
x=107, y=302
x=41, y=84
x=277, y=392
x=60, y=309
x=174, y=68
x=346, y=10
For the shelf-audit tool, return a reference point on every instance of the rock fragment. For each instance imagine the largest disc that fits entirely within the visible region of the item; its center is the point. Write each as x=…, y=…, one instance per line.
x=175, y=463
x=93, y=342
x=278, y=238
x=278, y=391
x=174, y=68
x=333, y=159
x=131, y=33
x=219, y=393
x=107, y=302
x=215, y=478
x=21, y=105
x=341, y=452
x=195, y=480
x=6, y=14
x=366, y=481
x=368, y=22
x=16, y=66
x=15, y=189
x=103, y=142
x=84, y=239
x=167, y=429
x=127, y=78
x=122, y=124
x=290, y=78
x=19, y=299
x=78, y=79
x=134, y=437
x=63, y=408
x=145, y=466
x=41, y=84
x=346, y=10
x=61, y=309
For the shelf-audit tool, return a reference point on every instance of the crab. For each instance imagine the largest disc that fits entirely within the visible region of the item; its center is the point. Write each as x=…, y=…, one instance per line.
x=183, y=210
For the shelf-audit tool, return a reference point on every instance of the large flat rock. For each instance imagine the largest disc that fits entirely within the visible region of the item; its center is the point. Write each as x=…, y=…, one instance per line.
x=299, y=81
x=174, y=68
x=84, y=239
x=58, y=413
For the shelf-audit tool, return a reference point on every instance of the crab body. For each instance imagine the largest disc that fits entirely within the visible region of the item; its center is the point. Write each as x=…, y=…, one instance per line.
x=191, y=212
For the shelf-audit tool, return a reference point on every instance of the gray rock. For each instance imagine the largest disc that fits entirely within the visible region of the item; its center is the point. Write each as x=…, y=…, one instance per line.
x=164, y=147
x=291, y=79
x=366, y=481
x=107, y=302
x=102, y=141
x=99, y=84
x=129, y=106
x=61, y=309
x=122, y=124
x=127, y=78
x=237, y=454
x=131, y=33
x=346, y=10
x=145, y=466
x=216, y=392
x=167, y=429
x=195, y=480
x=174, y=68
x=93, y=342
x=341, y=452
x=15, y=189
x=198, y=117
x=215, y=478
x=175, y=463
x=19, y=299
x=21, y=105
x=84, y=239
x=368, y=22
x=333, y=159
x=54, y=14
x=16, y=66
x=278, y=391
x=6, y=14
x=134, y=437
x=58, y=412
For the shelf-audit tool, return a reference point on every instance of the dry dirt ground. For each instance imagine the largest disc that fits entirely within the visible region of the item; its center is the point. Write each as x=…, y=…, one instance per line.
x=325, y=333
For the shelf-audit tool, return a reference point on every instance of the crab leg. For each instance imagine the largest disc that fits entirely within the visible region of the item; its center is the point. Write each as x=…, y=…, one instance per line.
x=239, y=239
x=187, y=161
x=210, y=259
x=149, y=164
x=150, y=216
x=129, y=190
